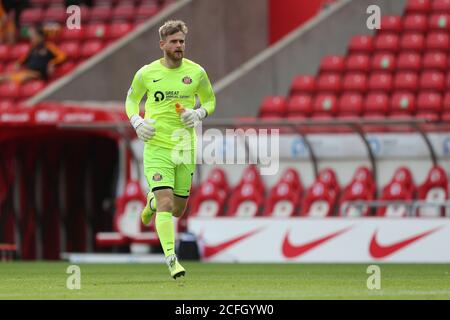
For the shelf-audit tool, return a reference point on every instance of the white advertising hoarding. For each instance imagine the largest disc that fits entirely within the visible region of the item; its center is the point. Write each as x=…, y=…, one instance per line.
x=411, y=240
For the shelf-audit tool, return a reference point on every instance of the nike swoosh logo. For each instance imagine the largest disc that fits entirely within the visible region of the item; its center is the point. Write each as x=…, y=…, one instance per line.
x=156, y=80
x=210, y=251
x=291, y=251
x=379, y=251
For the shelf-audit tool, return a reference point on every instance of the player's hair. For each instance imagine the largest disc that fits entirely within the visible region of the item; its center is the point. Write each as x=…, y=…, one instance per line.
x=171, y=27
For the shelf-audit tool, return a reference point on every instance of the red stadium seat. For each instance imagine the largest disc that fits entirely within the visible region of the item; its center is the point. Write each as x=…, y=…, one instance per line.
x=146, y=11
x=412, y=42
x=409, y=61
x=303, y=84
x=282, y=202
x=432, y=80
x=361, y=44
x=332, y=64
x=365, y=175
x=329, y=178
x=9, y=90
x=392, y=24
x=394, y=191
x=291, y=176
x=376, y=104
x=357, y=62
x=404, y=176
x=438, y=41
x=72, y=34
x=402, y=103
x=325, y=105
x=63, y=69
x=252, y=175
x=355, y=191
x=330, y=82
x=418, y=6
x=434, y=189
x=219, y=178
x=246, y=201
x=299, y=105
x=429, y=105
x=406, y=81
x=319, y=201
x=71, y=49
x=440, y=6
x=439, y=22
x=383, y=62
x=55, y=14
x=380, y=81
x=355, y=82
x=119, y=29
x=90, y=48
x=101, y=14
x=19, y=50
x=96, y=31
x=435, y=60
x=415, y=23
x=4, y=53
x=209, y=201
x=30, y=88
x=273, y=106
x=350, y=104
x=124, y=12
x=387, y=42
x=31, y=16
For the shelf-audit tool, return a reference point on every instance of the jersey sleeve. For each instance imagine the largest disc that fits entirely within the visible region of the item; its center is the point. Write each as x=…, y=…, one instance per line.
x=206, y=94
x=135, y=94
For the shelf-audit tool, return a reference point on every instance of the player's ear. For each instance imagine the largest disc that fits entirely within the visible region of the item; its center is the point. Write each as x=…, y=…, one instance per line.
x=162, y=43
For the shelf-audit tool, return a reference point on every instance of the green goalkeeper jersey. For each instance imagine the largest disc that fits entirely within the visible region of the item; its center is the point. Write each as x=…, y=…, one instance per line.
x=164, y=88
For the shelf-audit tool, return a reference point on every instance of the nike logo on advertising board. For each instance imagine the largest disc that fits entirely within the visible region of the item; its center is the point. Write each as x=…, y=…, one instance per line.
x=291, y=251
x=210, y=251
x=379, y=251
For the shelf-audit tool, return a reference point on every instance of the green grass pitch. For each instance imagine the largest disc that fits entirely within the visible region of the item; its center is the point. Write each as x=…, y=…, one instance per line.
x=47, y=280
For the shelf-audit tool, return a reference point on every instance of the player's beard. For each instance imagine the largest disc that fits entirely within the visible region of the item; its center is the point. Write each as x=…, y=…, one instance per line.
x=176, y=55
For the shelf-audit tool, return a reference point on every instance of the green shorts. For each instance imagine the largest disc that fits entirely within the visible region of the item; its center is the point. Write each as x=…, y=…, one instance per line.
x=167, y=168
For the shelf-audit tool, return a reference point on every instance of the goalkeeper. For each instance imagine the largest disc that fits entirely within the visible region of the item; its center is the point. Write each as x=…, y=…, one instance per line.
x=172, y=84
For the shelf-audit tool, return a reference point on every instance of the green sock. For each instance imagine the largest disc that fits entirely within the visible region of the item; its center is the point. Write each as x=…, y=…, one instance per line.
x=166, y=233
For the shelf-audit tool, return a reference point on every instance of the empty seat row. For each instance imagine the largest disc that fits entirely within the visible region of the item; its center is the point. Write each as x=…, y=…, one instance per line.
x=332, y=82
x=385, y=62
x=431, y=105
x=323, y=198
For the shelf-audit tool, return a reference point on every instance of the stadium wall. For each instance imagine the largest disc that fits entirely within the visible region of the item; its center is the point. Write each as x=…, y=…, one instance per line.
x=271, y=72
x=222, y=35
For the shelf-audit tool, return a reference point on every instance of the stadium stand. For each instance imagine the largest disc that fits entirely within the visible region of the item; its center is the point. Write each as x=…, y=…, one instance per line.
x=398, y=72
x=102, y=24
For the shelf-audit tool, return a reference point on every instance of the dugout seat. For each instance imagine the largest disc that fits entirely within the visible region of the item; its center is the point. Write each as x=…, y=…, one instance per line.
x=208, y=201
x=283, y=201
x=434, y=189
x=319, y=201
x=245, y=202
x=355, y=191
x=394, y=191
x=127, y=221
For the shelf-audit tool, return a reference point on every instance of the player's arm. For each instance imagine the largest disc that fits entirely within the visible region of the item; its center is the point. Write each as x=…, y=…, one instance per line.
x=207, y=100
x=145, y=129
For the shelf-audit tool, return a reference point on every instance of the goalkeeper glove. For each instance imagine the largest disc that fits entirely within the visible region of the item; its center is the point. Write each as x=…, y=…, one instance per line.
x=144, y=128
x=192, y=117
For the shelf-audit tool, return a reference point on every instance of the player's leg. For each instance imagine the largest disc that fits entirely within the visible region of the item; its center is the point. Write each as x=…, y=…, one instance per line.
x=184, y=173
x=159, y=171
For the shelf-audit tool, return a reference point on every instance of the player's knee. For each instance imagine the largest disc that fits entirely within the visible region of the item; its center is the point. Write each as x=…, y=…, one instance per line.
x=178, y=212
x=165, y=204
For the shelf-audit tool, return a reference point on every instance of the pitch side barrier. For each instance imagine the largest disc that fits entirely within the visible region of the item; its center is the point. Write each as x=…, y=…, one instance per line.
x=358, y=126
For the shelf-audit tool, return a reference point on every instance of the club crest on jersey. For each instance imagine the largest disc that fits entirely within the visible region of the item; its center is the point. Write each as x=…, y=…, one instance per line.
x=187, y=80
x=157, y=177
